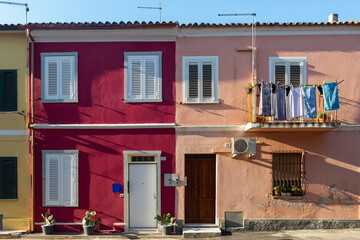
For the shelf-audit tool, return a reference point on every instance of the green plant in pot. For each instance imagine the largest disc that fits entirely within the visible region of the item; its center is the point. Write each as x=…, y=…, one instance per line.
x=279, y=190
x=166, y=223
x=296, y=191
x=48, y=227
x=249, y=89
x=89, y=223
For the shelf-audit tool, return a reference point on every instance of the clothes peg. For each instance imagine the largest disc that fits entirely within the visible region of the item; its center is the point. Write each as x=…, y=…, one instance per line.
x=270, y=82
x=324, y=82
x=304, y=86
x=335, y=80
x=314, y=86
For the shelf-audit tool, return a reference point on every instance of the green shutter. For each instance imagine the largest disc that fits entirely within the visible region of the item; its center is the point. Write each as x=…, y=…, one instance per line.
x=8, y=90
x=8, y=178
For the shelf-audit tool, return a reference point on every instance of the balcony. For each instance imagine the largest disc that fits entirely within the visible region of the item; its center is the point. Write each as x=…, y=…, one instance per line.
x=258, y=123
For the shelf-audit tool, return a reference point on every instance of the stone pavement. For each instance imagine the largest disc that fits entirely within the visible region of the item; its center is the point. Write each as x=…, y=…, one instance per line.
x=343, y=234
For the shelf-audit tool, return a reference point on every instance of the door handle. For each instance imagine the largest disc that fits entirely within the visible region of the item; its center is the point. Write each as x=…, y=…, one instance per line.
x=154, y=196
x=185, y=181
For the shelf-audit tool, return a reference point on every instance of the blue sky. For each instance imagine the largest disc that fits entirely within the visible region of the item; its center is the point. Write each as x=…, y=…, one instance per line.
x=183, y=11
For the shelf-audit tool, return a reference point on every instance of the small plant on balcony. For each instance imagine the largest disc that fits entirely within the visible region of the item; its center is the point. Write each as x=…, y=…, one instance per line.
x=322, y=117
x=249, y=88
x=296, y=191
x=48, y=227
x=279, y=190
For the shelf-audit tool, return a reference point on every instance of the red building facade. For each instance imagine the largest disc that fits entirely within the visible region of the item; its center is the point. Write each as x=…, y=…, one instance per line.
x=103, y=123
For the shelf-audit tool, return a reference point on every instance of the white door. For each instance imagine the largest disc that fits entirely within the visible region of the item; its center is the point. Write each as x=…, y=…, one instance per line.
x=142, y=195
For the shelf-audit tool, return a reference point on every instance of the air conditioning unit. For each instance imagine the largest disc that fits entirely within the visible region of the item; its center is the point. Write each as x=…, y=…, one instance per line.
x=243, y=146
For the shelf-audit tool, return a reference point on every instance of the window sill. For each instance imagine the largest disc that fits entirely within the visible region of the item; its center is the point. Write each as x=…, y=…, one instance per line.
x=60, y=101
x=142, y=100
x=289, y=197
x=200, y=103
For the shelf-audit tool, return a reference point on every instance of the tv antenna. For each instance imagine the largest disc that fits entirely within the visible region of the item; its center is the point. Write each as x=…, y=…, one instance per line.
x=253, y=35
x=18, y=4
x=253, y=15
x=159, y=8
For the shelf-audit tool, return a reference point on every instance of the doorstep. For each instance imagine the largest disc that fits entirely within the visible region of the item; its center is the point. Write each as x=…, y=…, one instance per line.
x=12, y=233
x=201, y=232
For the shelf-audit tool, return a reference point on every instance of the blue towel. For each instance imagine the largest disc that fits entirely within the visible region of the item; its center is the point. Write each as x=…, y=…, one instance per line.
x=310, y=102
x=331, y=97
x=280, y=113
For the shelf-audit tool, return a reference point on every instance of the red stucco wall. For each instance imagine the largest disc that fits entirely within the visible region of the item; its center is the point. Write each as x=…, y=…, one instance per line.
x=101, y=163
x=101, y=85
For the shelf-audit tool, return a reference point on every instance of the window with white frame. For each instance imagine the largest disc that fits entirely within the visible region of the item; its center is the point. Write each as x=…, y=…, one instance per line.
x=288, y=70
x=60, y=178
x=143, y=77
x=200, y=79
x=59, y=77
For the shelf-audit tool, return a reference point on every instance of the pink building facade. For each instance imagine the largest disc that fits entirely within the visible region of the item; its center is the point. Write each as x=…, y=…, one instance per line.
x=103, y=123
x=317, y=161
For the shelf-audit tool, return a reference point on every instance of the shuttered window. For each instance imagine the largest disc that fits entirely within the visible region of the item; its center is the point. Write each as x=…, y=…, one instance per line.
x=60, y=178
x=8, y=178
x=8, y=90
x=143, y=77
x=290, y=70
x=59, y=77
x=200, y=79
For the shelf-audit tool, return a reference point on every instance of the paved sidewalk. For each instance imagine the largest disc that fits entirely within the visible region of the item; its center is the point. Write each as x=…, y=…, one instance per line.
x=344, y=234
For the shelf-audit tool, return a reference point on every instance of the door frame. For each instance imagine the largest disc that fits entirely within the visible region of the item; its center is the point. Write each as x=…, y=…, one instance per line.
x=127, y=162
x=216, y=220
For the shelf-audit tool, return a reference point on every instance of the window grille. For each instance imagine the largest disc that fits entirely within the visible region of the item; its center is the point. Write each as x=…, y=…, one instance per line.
x=287, y=169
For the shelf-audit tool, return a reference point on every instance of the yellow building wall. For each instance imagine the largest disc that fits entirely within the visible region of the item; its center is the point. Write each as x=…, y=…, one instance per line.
x=14, y=137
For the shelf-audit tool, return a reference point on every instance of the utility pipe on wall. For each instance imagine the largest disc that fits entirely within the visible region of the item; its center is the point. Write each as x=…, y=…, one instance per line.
x=32, y=131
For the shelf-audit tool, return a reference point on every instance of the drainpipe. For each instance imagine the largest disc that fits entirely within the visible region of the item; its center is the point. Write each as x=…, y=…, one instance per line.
x=31, y=89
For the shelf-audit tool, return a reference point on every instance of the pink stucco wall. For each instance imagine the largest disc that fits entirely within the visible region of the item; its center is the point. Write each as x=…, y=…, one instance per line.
x=101, y=163
x=244, y=184
x=101, y=85
x=328, y=58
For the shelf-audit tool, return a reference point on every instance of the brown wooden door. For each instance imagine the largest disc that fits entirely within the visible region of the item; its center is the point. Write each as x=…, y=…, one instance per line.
x=200, y=189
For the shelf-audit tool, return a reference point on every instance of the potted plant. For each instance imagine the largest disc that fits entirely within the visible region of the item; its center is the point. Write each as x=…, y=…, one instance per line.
x=48, y=227
x=288, y=191
x=321, y=117
x=166, y=223
x=249, y=88
x=296, y=191
x=89, y=223
x=279, y=190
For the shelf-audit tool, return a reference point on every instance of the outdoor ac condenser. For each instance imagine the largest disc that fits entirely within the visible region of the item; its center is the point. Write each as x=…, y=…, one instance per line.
x=243, y=146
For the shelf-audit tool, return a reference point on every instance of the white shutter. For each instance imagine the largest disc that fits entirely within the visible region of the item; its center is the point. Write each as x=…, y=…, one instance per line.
x=134, y=78
x=67, y=179
x=66, y=77
x=52, y=78
x=52, y=179
x=193, y=80
x=207, y=80
x=151, y=77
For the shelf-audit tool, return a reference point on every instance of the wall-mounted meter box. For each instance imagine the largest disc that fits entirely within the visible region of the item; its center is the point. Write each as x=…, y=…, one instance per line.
x=171, y=179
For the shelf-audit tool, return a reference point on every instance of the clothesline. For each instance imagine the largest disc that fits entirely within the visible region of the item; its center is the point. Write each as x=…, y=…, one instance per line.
x=287, y=85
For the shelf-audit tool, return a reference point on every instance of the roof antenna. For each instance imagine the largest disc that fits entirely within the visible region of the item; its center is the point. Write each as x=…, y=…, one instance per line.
x=19, y=4
x=253, y=36
x=155, y=8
